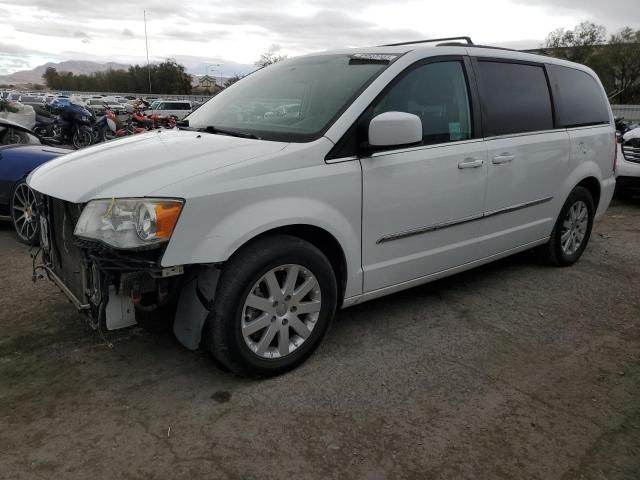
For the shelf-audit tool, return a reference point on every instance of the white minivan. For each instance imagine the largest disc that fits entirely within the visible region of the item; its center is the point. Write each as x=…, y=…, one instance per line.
x=171, y=108
x=399, y=165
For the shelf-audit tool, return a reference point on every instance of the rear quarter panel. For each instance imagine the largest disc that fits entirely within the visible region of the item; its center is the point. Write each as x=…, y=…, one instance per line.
x=592, y=150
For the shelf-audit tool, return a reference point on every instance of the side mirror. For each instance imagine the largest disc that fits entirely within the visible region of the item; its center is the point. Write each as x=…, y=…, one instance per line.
x=391, y=129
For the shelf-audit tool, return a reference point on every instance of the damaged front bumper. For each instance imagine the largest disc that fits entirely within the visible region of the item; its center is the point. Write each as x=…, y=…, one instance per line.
x=113, y=288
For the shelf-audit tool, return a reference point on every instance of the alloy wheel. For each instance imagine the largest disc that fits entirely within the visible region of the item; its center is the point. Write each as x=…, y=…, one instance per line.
x=574, y=227
x=24, y=212
x=280, y=311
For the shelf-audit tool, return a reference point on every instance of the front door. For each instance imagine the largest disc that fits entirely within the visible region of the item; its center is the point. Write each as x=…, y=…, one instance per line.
x=423, y=206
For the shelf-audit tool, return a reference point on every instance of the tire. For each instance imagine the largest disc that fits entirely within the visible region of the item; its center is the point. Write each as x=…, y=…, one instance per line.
x=82, y=137
x=553, y=252
x=261, y=353
x=24, y=214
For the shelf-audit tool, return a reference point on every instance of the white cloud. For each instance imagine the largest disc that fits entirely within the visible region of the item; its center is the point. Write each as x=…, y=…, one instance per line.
x=219, y=31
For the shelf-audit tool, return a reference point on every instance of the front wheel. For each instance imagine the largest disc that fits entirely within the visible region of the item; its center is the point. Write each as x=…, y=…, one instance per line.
x=572, y=230
x=24, y=214
x=274, y=303
x=82, y=137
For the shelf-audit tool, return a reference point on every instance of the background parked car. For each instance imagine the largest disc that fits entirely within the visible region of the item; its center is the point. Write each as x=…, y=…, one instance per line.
x=21, y=151
x=176, y=108
x=628, y=167
x=97, y=105
x=31, y=100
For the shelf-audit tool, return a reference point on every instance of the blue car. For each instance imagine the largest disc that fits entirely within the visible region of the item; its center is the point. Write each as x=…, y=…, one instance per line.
x=21, y=151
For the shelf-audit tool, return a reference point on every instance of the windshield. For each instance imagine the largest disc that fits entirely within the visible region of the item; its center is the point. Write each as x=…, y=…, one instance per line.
x=294, y=100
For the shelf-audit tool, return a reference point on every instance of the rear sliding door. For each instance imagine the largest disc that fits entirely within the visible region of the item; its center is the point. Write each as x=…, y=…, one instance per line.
x=528, y=157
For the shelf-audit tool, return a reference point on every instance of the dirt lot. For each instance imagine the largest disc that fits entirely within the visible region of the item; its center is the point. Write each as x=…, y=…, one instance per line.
x=513, y=370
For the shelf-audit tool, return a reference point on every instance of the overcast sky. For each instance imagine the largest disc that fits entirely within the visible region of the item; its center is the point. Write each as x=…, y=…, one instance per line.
x=202, y=32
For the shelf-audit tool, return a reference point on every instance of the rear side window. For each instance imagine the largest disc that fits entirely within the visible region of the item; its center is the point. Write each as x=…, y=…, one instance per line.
x=515, y=98
x=580, y=99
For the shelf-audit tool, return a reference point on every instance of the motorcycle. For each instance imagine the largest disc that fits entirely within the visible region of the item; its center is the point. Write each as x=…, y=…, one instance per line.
x=47, y=124
x=163, y=121
x=110, y=127
x=140, y=120
x=76, y=126
x=153, y=121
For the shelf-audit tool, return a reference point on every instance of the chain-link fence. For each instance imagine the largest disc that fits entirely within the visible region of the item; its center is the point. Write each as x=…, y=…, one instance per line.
x=628, y=112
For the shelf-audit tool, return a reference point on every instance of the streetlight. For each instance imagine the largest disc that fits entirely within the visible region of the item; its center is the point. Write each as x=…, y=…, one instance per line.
x=215, y=70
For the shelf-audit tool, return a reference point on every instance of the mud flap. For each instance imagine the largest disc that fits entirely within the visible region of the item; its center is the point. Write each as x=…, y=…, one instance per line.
x=196, y=298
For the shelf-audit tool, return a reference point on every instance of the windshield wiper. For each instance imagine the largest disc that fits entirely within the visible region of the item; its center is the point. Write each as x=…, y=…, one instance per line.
x=231, y=133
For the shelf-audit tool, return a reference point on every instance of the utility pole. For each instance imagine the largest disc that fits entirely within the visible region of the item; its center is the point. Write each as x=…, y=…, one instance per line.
x=146, y=41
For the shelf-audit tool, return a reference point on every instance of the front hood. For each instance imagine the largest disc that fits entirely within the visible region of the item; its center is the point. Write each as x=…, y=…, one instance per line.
x=631, y=134
x=138, y=165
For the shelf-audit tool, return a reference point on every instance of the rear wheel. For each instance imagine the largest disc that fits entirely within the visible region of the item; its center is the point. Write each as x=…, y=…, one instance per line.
x=274, y=303
x=24, y=214
x=572, y=230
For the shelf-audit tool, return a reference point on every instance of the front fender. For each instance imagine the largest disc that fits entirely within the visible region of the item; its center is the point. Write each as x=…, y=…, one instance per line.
x=212, y=228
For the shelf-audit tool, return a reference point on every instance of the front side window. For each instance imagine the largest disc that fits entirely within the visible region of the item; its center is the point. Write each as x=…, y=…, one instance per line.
x=437, y=93
x=515, y=98
x=294, y=100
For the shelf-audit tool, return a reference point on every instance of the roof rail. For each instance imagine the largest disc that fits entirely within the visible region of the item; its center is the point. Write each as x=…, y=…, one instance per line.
x=460, y=44
x=466, y=39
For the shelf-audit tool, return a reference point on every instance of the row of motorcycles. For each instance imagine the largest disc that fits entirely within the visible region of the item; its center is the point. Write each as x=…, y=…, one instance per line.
x=79, y=127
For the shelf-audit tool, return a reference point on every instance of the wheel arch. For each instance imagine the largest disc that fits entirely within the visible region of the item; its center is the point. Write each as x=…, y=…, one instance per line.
x=592, y=184
x=319, y=237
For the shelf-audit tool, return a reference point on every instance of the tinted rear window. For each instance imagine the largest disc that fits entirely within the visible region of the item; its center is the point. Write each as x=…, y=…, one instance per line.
x=580, y=99
x=515, y=98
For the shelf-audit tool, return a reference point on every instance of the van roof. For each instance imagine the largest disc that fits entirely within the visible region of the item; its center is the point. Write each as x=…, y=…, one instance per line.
x=456, y=46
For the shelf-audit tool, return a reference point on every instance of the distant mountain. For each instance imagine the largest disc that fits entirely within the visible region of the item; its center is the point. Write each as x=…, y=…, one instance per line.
x=74, y=66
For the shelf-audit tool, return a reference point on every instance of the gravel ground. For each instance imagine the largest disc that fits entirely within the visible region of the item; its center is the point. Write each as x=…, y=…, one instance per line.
x=513, y=370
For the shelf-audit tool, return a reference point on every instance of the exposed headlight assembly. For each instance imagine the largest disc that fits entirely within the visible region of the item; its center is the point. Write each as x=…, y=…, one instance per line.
x=129, y=222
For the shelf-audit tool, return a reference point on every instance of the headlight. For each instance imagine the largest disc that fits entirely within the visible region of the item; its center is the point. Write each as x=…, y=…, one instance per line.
x=129, y=222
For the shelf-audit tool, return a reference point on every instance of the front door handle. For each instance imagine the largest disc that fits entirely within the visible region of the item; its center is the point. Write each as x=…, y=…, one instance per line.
x=504, y=158
x=470, y=162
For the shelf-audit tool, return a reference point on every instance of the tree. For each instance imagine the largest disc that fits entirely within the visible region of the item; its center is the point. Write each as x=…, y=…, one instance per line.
x=170, y=77
x=270, y=57
x=167, y=77
x=577, y=45
x=51, y=77
x=231, y=80
x=616, y=61
x=619, y=66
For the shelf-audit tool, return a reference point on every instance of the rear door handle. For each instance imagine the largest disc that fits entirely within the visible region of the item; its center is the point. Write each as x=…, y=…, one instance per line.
x=470, y=162
x=504, y=158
